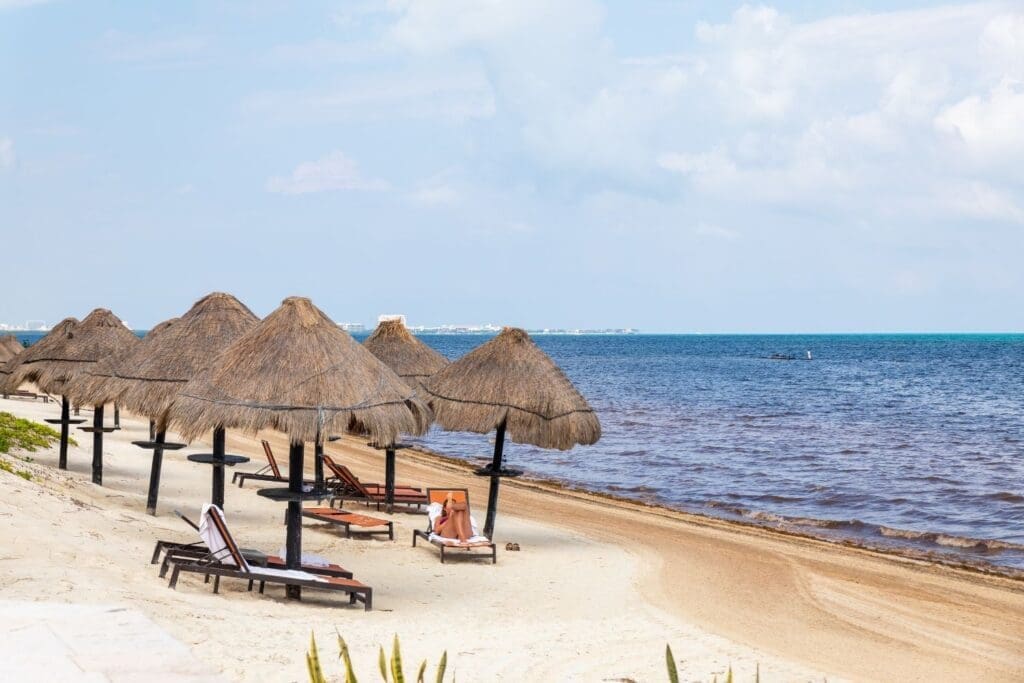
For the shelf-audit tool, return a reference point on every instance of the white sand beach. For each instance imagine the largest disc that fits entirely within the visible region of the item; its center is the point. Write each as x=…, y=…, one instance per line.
x=597, y=590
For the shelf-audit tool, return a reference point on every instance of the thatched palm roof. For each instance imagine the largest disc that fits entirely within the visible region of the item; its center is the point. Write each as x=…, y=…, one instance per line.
x=9, y=347
x=407, y=356
x=150, y=379
x=100, y=335
x=29, y=365
x=299, y=373
x=510, y=379
x=101, y=384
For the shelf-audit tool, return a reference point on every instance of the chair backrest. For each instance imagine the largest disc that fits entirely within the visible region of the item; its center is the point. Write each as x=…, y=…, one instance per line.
x=271, y=459
x=441, y=495
x=213, y=529
x=345, y=474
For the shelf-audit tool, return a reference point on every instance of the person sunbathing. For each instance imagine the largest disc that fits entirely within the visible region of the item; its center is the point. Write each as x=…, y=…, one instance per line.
x=453, y=522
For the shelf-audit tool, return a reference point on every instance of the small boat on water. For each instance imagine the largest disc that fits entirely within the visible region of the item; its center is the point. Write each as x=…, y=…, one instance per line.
x=789, y=356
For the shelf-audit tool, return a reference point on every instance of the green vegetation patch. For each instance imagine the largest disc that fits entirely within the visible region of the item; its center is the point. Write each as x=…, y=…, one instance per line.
x=24, y=435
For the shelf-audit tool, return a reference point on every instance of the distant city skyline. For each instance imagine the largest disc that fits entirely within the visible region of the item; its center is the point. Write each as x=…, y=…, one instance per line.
x=836, y=166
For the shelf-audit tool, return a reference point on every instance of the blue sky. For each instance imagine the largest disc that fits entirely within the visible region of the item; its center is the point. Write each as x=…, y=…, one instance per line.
x=674, y=166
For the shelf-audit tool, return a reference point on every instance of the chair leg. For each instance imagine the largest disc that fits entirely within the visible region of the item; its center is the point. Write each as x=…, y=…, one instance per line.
x=156, y=552
x=216, y=583
x=173, y=583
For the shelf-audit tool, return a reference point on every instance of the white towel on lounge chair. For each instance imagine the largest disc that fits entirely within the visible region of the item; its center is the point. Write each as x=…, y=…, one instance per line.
x=218, y=547
x=308, y=559
x=434, y=511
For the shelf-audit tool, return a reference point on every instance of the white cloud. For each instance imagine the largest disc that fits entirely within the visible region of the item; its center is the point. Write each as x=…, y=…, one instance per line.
x=332, y=173
x=991, y=127
x=7, y=157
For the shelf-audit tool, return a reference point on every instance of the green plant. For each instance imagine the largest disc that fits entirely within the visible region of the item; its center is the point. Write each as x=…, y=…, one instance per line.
x=8, y=467
x=25, y=435
x=390, y=668
x=670, y=661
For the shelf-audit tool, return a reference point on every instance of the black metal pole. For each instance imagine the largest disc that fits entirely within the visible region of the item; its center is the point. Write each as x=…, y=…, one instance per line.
x=154, y=473
x=117, y=416
x=218, y=470
x=97, y=445
x=389, y=478
x=492, y=499
x=318, y=464
x=293, y=544
x=152, y=430
x=65, y=415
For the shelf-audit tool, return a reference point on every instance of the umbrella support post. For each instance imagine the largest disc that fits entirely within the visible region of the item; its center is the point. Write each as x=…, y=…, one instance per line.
x=154, y=474
x=492, y=498
x=117, y=416
x=152, y=430
x=389, y=478
x=97, y=446
x=218, y=470
x=65, y=415
x=293, y=544
x=318, y=463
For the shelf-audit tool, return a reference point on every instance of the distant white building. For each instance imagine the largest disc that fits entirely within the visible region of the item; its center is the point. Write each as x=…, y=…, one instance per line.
x=352, y=327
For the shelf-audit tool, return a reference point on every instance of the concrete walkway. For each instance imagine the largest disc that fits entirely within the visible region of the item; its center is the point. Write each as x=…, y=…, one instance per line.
x=91, y=644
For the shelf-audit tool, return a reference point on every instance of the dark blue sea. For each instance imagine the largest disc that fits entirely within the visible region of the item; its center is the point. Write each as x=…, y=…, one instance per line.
x=908, y=442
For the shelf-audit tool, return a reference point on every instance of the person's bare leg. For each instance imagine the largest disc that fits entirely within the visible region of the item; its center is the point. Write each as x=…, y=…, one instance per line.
x=464, y=528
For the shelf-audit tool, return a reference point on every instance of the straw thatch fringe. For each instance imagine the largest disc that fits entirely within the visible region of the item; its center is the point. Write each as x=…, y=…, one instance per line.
x=510, y=379
x=299, y=373
x=9, y=347
x=407, y=356
x=29, y=364
x=101, y=384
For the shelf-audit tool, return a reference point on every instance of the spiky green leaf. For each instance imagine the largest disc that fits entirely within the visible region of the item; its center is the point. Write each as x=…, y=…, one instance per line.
x=441, y=666
x=396, y=662
x=670, y=662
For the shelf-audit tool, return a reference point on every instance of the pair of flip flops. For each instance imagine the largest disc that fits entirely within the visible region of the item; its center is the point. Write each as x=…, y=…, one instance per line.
x=511, y=546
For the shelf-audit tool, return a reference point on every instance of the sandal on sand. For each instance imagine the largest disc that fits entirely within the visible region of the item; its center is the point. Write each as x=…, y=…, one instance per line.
x=511, y=546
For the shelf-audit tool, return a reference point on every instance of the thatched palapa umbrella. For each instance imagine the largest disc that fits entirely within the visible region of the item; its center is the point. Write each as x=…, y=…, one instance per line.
x=510, y=385
x=413, y=361
x=9, y=347
x=102, y=384
x=100, y=335
x=148, y=382
x=29, y=365
x=299, y=373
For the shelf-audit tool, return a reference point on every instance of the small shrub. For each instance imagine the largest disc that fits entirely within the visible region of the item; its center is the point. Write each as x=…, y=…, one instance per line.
x=390, y=668
x=24, y=435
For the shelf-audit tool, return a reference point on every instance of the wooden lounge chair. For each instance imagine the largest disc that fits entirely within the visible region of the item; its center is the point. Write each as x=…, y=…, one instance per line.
x=225, y=559
x=172, y=550
x=348, y=487
x=438, y=497
x=269, y=472
x=364, y=524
